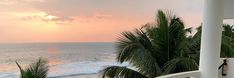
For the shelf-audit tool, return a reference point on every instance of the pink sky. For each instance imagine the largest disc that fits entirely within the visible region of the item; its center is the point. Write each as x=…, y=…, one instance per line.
x=85, y=20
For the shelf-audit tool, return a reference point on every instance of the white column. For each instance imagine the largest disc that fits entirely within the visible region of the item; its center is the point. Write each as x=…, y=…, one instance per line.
x=211, y=38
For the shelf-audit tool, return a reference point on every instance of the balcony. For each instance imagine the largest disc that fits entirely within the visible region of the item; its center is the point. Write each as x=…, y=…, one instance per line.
x=197, y=74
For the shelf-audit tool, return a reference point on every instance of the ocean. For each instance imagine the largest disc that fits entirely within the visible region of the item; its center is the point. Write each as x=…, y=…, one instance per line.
x=66, y=60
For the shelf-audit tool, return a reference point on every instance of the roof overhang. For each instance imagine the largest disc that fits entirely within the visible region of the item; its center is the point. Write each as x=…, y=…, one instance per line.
x=228, y=9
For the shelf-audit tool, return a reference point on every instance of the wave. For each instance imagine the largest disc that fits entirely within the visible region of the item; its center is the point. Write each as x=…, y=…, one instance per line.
x=9, y=75
x=80, y=68
x=71, y=69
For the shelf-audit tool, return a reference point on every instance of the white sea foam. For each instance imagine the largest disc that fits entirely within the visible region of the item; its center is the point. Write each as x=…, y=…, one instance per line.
x=71, y=69
x=80, y=68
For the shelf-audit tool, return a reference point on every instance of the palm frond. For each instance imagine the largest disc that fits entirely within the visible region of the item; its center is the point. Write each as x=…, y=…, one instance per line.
x=227, y=49
x=180, y=64
x=38, y=69
x=136, y=49
x=177, y=37
x=121, y=72
x=227, y=30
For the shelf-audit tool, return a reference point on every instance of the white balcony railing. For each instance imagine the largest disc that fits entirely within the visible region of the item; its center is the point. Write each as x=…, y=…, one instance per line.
x=190, y=74
x=196, y=74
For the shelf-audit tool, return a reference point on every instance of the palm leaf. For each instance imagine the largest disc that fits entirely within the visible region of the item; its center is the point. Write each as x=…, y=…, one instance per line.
x=180, y=64
x=136, y=49
x=121, y=72
x=38, y=69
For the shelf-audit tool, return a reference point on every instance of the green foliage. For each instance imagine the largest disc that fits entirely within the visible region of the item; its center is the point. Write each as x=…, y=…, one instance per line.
x=227, y=46
x=162, y=48
x=39, y=69
x=121, y=72
x=157, y=49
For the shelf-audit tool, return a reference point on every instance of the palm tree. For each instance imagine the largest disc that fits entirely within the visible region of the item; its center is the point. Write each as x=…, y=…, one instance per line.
x=155, y=49
x=159, y=49
x=227, y=46
x=38, y=69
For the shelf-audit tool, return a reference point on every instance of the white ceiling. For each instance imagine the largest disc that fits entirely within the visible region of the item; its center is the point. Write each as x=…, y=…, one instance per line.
x=228, y=9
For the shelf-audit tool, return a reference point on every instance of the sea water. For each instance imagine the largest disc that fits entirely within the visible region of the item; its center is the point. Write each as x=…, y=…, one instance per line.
x=66, y=60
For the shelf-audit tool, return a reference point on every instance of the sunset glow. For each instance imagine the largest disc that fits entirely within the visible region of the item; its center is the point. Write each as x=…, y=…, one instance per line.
x=72, y=21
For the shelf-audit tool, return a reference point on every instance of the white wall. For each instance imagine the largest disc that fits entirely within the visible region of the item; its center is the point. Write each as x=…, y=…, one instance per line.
x=230, y=71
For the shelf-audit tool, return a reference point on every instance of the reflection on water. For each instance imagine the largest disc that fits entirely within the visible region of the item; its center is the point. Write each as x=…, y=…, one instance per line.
x=53, y=51
x=7, y=67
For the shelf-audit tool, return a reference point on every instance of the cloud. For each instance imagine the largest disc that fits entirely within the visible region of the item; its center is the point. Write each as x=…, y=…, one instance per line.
x=68, y=10
x=40, y=16
x=110, y=8
x=95, y=17
x=83, y=20
x=62, y=19
x=32, y=0
x=102, y=16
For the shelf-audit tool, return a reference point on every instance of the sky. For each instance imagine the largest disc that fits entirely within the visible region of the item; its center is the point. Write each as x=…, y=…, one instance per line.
x=85, y=20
